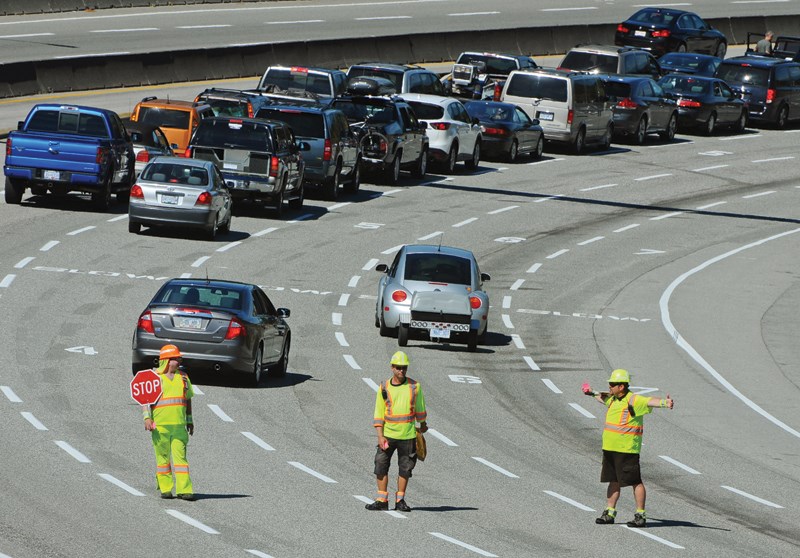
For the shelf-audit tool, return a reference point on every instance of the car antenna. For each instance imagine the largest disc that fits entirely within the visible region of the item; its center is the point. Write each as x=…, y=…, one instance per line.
x=439, y=248
x=207, y=279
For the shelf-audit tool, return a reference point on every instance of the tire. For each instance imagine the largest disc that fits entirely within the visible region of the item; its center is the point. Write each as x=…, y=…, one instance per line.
x=539, y=150
x=14, y=190
x=741, y=123
x=402, y=335
x=711, y=124
x=226, y=226
x=681, y=47
x=134, y=228
x=641, y=131
x=422, y=165
x=332, y=186
x=475, y=162
x=385, y=330
x=722, y=49
x=392, y=173
x=355, y=179
x=672, y=126
x=102, y=199
x=212, y=232
x=297, y=203
x=279, y=369
x=513, y=152
x=579, y=145
x=472, y=340
x=781, y=122
x=278, y=207
x=258, y=367
x=606, y=143
x=450, y=164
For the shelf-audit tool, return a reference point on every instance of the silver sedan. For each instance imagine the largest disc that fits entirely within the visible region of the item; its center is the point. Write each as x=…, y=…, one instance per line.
x=178, y=192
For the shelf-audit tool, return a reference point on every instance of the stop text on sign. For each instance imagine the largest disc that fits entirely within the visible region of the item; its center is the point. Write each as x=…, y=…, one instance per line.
x=148, y=387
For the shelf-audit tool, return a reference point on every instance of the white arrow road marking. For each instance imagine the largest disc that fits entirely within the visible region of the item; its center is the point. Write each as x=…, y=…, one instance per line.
x=569, y=501
x=82, y=349
x=72, y=451
x=750, y=496
x=474, y=549
x=677, y=463
x=122, y=485
x=193, y=522
x=37, y=424
x=495, y=467
x=9, y=393
x=311, y=472
x=651, y=536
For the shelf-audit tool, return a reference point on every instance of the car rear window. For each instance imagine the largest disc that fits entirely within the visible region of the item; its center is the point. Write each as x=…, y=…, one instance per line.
x=201, y=295
x=537, y=86
x=395, y=77
x=297, y=80
x=589, y=62
x=483, y=110
x=743, y=74
x=70, y=122
x=425, y=111
x=304, y=124
x=677, y=84
x=377, y=111
x=175, y=173
x=233, y=134
x=650, y=16
x=165, y=118
x=226, y=107
x=493, y=65
x=438, y=268
x=618, y=89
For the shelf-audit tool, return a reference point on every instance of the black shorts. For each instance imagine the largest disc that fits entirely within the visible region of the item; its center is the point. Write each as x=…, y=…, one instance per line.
x=621, y=467
x=406, y=457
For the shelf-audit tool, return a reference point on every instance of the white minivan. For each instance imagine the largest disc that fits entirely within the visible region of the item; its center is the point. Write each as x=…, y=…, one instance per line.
x=572, y=107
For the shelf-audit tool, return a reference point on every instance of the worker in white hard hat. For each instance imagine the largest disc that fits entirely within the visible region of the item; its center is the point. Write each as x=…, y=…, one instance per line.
x=622, y=442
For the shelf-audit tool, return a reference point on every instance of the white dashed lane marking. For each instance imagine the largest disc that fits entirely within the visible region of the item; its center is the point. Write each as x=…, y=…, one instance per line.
x=371, y=383
x=351, y=361
x=709, y=168
x=517, y=341
x=677, y=463
x=49, y=245
x=758, y=195
x=393, y=513
x=666, y=216
x=429, y=236
x=581, y=410
x=340, y=338
x=200, y=261
x=507, y=321
x=595, y=239
x=546, y=161
x=353, y=281
x=37, y=424
x=555, y=197
x=72, y=451
x=534, y=268
x=119, y=483
x=117, y=218
x=258, y=441
x=219, y=412
x=336, y=318
x=9, y=393
x=517, y=284
x=265, y=231
x=192, y=521
x=569, y=501
x=530, y=362
x=465, y=222
x=7, y=280
x=312, y=472
x=653, y=537
x=23, y=262
x=710, y=205
x=370, y=264
x=506, y=301
x=627, y=228
x=343, y=299
x=436, y=434
x=557, y=254
x=652, y=177
x=751, y=497
x=228, y=246
x=83, y=230
x=495, y=467
x=549, y=383
x=392, y=250
x=502, y=209
x=772, y=159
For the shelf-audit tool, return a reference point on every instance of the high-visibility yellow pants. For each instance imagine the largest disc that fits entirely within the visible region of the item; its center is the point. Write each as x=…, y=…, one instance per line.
x=171, y=441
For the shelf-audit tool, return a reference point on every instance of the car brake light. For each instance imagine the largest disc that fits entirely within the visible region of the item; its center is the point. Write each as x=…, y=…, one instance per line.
x=622, y=29
x=494, y=131
x=136, y=192
x=100, y=155
x=273, y=166
x=188, y=153
x=327, y=150
x=250, y=112
x=145, y=322
x=235, y=121
x=298, y=70
x=661, y=33
x=143, y=156
x=203, y=199
x=475, y=302
x=235, y=329
x=689, y=103
x=498, y=92
x=8, y=147
x=570, y=116
x=770, y=95
x=440, y=125
x=627, y=103
x=399, y=296
x=384, y=147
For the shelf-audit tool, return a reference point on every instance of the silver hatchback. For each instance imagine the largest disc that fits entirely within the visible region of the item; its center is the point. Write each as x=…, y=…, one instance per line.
x=178, y=192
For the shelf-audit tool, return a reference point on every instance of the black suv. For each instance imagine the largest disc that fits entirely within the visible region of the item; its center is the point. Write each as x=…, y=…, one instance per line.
x=475, y=73
x=390, y=135
x=334, y=154
x=406, y=78
x=771, y=87
x=607, y=59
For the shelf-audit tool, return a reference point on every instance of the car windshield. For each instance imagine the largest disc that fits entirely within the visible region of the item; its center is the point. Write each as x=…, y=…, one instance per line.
x=395, y=77
x=618, y=89
x=742, y=73
x=233, y=134
x=377, y=111
x=674, y=59
x=589, y=61
x=425, y=111
x=297, y=80
x=538, y=86
x=164, y=118
x=492, y=64
x=176, y=173
x=438, y=267
x=226, y=107
x=677, y=84
x=200, y=295
x=649, y=16
x=489, y=111
x=304, y=124
x=71, y=122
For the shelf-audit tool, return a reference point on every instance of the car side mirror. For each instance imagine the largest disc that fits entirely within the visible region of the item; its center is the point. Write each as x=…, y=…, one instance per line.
x=20, y=125
x=283, y=312
x=535, y=122
x=383, y=268
x=485, y=277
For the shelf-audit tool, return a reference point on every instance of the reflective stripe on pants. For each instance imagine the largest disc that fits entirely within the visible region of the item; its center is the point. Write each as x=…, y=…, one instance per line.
x=170, y=441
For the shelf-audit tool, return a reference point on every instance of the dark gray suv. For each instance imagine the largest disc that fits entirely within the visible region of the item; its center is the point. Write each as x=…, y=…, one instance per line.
x=608, y=59
x=406, y=78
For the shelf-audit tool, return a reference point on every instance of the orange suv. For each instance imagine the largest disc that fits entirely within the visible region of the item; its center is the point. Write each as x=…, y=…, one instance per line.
x=178, y=119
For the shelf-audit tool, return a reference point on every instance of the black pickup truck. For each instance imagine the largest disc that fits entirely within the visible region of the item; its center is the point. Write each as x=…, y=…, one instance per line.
x=783, y=46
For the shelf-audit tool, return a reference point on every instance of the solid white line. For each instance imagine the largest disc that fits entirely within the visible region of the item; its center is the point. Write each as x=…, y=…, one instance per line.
x=597, y=187
x=9, y=393
x=436, y=434
x=257, y=553
x=393, y=249
x=301, y=218
x=530, y=362
x=534, y=268
x=312, y=472
x=72, y=451
x=381, y=17
x=682, y=343
x=212, y=26
x=495, y=467
x=627, y=228
x=710, y=205
x=771, y=160
x=258, y=441
x=758, y=195
x=465, y=222
x=343, y=299
x=265, y=231
x=125, y=30
x=666, y=215
x=338, y=205
x=340, y=338
x=759, y=1
x=294, y=22
x=26, y=35
x=429, y=236
x=557, y=254
x=517, y=341
x=119, y=483
x=595, y=239
x=370, y=264
x=502, y=209
x=569, y=501
x=652, y=177
x=517, y=284
x=200, y=261
x=472, y=14
x=371, y=383
x=336, y=318
x=654, y=537
x=709, y=168
x=191, y=521
x=352, y=362
x=93, y=55
x=506, y=301
x=507, y=321
x=219, y=412
x=117, y=218
x=733, y=138
x=581, y=410
x=567, y=9
x=353, y=281
x=750, y=496
x=540, y=200
x=229, y=246
x=7, y=280
x=462, y=544
x=546, y=161
x=549, y=383
x=390, y=192
x=37, y=424
x=49, y=245
x=677, y=463
x=79, y=231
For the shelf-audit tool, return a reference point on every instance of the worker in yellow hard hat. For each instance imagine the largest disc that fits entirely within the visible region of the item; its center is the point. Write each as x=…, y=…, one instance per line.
x=170, y=423
x=622, y=442
x=399, y=405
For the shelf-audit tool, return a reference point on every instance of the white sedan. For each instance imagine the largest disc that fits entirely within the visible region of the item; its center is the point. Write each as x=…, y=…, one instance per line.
x=453, y=135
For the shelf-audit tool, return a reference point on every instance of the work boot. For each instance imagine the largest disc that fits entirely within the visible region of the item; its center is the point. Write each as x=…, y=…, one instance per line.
x=607, y=518
x=189, y=497
x=639, y=520
x=378, y=505
x=167, y=495
x=401, y=505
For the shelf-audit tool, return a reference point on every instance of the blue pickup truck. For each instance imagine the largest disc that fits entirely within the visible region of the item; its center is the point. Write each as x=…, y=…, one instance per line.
x=60, y=149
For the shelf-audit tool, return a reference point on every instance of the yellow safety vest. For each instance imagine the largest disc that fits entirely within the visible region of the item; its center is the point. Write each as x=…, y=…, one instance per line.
x=397, y=408
x=625, y=423
x=170, y=409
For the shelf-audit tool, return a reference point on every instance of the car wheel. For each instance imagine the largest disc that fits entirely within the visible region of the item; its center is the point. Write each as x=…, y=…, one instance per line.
x=102, y=199
x=297, y=203
x=280, y=369
x=513, y=152
x=682, y=47
x=279, y=199
x=212, y=232
x=226, y=226
x=537, y=153
x=14, y=190
x=355, y=179
x=258, y=367
x=672, y=126
x=402, y=335
x=641, y=131
x=422, y=165
x=783, y=117
x=722, y=48
x=741, y=124
x=606, y=143
x=580, y=142
x=472, y=340
x=332, y=187
x=473, y=163
x=134, y=228
x=711, y=124
x=392, y=173
x=452, y=157
x=385, y=330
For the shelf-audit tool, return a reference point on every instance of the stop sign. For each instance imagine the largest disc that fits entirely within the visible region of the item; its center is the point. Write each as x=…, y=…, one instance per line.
x=146, y=387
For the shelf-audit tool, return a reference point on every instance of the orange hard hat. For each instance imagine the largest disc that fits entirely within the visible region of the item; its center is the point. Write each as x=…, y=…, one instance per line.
x=168, y=352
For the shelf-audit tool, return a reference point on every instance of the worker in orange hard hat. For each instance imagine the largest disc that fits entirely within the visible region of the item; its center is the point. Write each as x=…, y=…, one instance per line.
x=170, y=422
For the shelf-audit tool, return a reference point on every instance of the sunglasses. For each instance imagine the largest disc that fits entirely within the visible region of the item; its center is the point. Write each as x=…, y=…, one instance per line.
x=400, y=367
x=614, y=384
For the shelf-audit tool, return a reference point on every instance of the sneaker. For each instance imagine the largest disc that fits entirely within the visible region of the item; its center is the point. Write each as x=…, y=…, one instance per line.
x=639, y=520
x=401, y=505
x=189, y=497
x=167, y=495
x=378, y=505
x=606, y=518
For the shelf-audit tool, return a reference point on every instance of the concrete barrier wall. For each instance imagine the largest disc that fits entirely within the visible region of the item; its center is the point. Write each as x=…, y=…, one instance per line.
x=17, y=7
x=74, y=74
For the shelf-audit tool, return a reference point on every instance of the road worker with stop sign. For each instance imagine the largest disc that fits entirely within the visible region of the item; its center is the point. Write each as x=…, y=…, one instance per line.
x=170, y=423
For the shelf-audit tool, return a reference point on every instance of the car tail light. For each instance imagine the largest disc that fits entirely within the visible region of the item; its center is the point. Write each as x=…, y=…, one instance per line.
x=250, y=111
x=136, y=192
x=8, y=147
x=203, y=199
x=298, y=70
x=143, y=156
x=100, y=155
x=498, y=92
x=660, y=34
x=399, y=296
x=327, y=151
x=145, y=322
x=475, y=302
x=384, y=147
x=494, y=131
x=627, y=103
x=273, y=167
x=441, y=126
x=689, y=103
x=770, y=95
x=570, y=116
x=622, y=29
x=235, y=329
x=188, y=153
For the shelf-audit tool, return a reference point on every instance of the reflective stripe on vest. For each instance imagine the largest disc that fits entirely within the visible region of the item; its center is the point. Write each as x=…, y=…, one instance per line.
x=623, y=426
x=398, y=419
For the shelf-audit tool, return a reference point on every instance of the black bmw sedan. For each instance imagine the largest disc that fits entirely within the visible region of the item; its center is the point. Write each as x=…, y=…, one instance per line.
x=507, y=131
x=662, y=30
x=705, y=103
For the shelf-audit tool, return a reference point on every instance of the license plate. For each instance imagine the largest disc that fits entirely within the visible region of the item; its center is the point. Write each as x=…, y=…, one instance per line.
x=440, y=333
x=640, y=33
x=52, y=175
x=229, y=166
x=189, y=323
x=171, y=200
x=544, y=115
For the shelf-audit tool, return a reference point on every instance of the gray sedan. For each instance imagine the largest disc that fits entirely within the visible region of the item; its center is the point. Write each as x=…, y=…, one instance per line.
x=173, y=191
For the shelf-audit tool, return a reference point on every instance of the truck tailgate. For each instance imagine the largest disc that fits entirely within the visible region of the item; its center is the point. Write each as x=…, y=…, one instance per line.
x=56, y=152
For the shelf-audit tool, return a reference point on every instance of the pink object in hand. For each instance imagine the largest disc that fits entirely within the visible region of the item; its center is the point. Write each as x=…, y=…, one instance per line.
x=585, y=387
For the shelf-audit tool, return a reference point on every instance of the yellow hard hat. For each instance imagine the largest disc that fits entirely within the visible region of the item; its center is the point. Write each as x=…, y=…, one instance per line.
x=168, y=352
x=619, y=376
x=399, y=359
